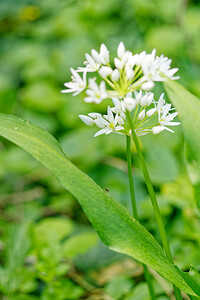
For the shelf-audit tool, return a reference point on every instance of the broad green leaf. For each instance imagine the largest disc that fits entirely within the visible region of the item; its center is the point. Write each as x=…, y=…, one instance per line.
x=188, y=107
x=116, y=228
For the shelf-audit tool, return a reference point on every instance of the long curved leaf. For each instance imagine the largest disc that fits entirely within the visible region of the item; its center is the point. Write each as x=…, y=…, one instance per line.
x=188, y=107
x=116, y=228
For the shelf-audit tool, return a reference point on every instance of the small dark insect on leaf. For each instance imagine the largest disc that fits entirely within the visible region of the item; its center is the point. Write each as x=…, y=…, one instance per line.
x=106, y=190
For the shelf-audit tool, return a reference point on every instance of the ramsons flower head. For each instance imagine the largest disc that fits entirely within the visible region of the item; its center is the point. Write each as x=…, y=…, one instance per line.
x=127, y=81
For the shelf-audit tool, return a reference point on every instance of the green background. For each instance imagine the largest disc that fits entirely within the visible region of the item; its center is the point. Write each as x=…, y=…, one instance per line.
x=46, y=240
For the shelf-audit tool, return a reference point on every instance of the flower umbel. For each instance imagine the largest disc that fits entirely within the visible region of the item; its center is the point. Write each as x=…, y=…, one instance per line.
x=128, y=84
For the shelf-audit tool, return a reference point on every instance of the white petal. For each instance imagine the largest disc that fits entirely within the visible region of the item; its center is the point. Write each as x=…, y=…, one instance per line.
x=87, y=120
x=115, y=101
x=89, y=99
x=109, y=131
x=102, y=131
x=157, y=129
x=110, y=115
x=101, y=122
x=94, y=115
x=104, y=54
x=120, y=121
x=96, y=56
x=119, y=128
x=161, y=101
x=122, y=115
x=67, y=91
x=90, y=60
x=93, y=85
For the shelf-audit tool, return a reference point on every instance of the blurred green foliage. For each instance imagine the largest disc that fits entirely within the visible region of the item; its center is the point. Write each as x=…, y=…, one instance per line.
x=47, y=247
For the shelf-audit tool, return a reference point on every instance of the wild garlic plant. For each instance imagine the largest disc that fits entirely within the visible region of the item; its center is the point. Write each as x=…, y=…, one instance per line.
x=134, y=112
x=127, y=82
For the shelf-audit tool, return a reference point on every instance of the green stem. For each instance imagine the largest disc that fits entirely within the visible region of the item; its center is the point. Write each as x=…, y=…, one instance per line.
x=135, y=212
x=131, y=185
x=157, y=213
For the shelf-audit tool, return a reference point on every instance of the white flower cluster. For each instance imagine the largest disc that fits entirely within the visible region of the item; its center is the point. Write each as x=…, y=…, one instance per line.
x=127, y=82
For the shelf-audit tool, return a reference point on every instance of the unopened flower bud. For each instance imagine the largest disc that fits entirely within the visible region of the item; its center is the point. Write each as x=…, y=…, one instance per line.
x=150, y=99
x=138, y=97
x=121, y=50
x=141, y=115
x=143, y=101
x=104, y=54
x=130, y=74
x=147, y=86
x=129, y=103
x=105, y=71
x=118, y=64
x=115, y=75
x=150, y=112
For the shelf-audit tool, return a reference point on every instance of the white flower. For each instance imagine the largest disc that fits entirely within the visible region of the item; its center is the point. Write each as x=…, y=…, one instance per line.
x=93, y=62
x=95, y=93
x=165, y=117
x=108, y=123
x=156, y=68
x=77, y=85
